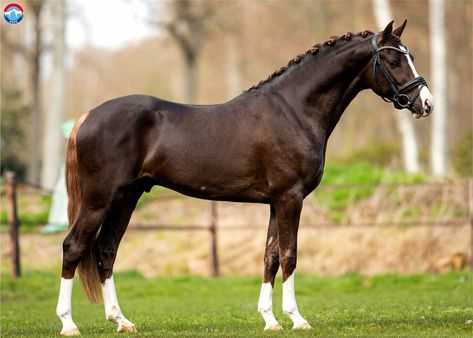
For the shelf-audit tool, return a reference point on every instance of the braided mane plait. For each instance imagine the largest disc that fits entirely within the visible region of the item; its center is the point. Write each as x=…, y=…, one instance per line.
x=313, y=51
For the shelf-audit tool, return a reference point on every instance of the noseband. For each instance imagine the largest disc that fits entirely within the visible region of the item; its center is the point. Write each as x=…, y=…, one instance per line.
x=400, y=99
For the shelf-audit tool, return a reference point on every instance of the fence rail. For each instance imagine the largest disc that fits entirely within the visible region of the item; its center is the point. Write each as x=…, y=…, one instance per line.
x=213, y=228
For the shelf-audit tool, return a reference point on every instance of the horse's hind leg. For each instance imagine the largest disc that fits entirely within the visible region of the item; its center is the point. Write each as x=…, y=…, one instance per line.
x=108, y=241
x=271, y=266
x=75, y=247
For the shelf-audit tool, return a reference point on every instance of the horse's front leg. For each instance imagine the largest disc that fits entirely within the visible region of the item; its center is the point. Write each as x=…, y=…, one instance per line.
x=288, y=210
x=271, y=266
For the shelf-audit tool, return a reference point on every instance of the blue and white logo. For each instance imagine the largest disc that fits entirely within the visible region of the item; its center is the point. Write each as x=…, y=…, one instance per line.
x=13, y=13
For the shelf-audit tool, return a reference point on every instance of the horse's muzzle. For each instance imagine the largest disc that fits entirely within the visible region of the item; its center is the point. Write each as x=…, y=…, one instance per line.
x=427, y=104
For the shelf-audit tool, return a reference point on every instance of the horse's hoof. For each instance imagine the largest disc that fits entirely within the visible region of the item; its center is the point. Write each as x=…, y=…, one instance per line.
x=303, y=326
x=274, y=327
x=71, y=332
x=127, y=329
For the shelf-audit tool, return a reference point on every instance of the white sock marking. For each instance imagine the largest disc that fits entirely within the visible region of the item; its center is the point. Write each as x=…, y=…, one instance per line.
x=64, y=309
x=265, y=306
x=112, y=309
x=289, y=305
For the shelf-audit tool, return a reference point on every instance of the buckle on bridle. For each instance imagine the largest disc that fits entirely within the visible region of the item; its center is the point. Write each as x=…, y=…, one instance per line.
x=402, y=100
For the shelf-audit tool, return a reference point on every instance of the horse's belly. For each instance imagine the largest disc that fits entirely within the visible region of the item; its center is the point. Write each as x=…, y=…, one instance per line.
x=210, y=178
x=249, y=195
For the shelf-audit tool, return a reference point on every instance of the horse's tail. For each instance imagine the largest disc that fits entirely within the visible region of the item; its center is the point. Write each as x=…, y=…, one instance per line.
x=72, y=174
x=88, y=269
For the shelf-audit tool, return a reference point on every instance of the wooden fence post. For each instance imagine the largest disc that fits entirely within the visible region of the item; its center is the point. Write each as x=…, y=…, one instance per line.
x=12, y=213
x=214, y=269
x=470, y=199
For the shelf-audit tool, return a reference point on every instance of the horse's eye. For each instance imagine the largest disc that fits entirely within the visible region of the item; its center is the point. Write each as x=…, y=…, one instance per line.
x=394, y=64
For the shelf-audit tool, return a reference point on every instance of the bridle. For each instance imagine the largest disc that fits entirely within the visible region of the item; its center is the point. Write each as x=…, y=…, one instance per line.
x=399, y=99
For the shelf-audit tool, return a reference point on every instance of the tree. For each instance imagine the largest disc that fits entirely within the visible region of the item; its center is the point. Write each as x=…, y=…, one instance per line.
x=14, y=112
x=12, y=133
x=53, y=139
x=410, y=147
x=189, y=23
x=186, y=25
x=34, y=61
x=439, y=147
x=32, y=54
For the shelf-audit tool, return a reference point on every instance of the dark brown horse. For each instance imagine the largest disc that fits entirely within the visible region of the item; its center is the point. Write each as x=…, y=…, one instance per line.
x=265, y=146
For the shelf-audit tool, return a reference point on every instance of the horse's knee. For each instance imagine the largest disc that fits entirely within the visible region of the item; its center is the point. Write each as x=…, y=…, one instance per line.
x=271, y=262
x=288, y=260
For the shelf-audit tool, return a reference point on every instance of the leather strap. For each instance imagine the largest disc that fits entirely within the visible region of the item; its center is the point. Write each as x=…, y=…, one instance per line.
x=399, y=99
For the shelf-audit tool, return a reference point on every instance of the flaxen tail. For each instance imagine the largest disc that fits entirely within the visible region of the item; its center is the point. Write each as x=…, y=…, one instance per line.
x=72, y=174
x=88, y=269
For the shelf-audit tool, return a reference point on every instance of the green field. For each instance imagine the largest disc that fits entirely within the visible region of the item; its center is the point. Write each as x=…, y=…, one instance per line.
x=351, y=305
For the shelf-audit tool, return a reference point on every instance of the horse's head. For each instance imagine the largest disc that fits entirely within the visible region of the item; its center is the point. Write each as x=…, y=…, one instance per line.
x=393, y=75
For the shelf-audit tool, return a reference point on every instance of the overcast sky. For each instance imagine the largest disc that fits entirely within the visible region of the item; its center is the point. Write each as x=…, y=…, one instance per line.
x=106, y=23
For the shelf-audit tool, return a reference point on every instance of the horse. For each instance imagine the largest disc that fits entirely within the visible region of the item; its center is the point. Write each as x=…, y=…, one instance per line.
x=266, y=145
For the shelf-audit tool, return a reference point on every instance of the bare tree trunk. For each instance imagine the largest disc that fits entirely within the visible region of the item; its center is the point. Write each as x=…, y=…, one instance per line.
x=190, y=77
x=35, y=71
x=235, y=67
x=439, y=147
x=410, y=151
x=189, y=24
x=53, y=140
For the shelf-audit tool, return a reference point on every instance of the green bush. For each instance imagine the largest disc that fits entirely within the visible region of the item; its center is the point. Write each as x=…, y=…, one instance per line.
x=379, y=154
x=13, y=140
x=462, y=155
x=350, y=179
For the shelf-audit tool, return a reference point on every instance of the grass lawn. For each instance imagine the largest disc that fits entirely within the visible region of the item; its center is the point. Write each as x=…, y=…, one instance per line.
x=351, y=305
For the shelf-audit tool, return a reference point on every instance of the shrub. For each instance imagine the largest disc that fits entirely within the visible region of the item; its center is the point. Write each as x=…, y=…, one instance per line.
x=462, y=155
x=378, y=154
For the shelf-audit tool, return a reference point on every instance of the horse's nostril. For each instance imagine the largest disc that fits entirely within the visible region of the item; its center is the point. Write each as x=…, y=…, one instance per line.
x=428, y=106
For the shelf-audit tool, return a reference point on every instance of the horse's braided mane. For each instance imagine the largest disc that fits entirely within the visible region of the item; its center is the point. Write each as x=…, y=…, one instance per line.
x=313, y=51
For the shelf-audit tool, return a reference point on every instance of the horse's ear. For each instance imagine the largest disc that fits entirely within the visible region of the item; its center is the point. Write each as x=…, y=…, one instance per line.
x=387, y=32
x=398, y=31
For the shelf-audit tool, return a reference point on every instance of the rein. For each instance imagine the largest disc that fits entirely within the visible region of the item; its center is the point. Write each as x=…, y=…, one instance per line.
x=400, y=98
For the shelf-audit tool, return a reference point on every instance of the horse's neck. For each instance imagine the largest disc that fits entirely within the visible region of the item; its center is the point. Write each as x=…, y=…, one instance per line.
x=322, y=86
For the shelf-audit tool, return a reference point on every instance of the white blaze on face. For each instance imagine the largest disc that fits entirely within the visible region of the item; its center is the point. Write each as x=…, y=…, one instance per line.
x=425, y=95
